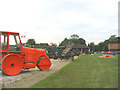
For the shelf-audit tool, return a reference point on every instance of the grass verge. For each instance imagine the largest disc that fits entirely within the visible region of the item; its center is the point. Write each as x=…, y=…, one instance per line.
x=87, y=71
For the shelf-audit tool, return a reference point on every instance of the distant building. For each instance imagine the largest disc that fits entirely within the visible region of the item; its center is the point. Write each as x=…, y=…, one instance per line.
x=114, y=47
x=82, y=48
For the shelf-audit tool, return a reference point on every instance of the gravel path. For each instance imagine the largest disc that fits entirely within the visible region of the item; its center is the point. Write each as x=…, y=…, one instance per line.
x=29, y=77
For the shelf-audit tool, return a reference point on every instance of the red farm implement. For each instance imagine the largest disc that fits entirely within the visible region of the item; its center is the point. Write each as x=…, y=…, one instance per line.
x=14, y=57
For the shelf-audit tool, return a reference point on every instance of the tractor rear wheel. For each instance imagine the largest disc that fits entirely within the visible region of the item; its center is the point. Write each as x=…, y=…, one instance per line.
x=12, y=64
x=43, y=63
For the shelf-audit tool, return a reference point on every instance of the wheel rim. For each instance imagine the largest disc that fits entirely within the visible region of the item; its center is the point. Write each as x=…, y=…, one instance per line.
x=44, y=63
x=12, y=65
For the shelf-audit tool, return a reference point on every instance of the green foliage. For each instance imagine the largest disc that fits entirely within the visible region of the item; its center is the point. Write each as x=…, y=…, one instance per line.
x=31, y=41
x=82, y=41
x=64, y=42
x=92, y=46
x=74, y=39
x=113, y=39
x=103, y=46
x=74, y=36
x=42, y=46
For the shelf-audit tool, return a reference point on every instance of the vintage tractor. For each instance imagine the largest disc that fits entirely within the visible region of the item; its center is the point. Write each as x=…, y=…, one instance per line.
x=14, y=57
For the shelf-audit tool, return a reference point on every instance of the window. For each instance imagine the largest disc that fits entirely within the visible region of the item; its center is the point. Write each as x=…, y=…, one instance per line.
x=14, y=42
x=17, y=40
x=3, y=41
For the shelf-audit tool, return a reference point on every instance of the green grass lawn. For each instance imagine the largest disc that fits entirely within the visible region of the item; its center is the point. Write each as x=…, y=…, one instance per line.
x=87, y=71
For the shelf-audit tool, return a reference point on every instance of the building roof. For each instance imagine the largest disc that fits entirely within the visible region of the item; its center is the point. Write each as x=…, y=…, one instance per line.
x=80, y=46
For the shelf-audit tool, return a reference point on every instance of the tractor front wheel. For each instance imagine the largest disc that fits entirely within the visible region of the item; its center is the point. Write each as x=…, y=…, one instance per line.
x=44, y=63
x=12, y=64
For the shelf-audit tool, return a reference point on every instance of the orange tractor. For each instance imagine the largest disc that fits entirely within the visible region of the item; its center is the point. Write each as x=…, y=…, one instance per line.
x=14, y=57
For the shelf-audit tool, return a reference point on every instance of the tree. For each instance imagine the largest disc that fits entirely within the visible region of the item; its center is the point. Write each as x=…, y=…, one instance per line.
x=74, y=36
x=31, y=41
x=64, y=42
x=82, y=41
x=113, y=39
x=103, y=46
x=92, y=46
x=113, y=36
x=74, y=39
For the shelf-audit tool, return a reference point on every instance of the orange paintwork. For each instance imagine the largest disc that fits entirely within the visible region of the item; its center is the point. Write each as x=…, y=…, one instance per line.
x=29, y=56
x=12, y=64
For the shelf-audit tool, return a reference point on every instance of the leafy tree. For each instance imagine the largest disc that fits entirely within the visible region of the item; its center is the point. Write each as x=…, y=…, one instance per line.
x=82, y=41
x=31, y=41
x=64, y=42
x=113, y=39
x=92, y=46
x=113, y=36
x=103, y=46
x=74, y=36
x=74, y=39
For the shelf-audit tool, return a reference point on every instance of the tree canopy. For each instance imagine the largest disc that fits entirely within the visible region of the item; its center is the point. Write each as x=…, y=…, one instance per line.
x=103, y=46
x=73, y=39
x=31, y=41
x=74, y=36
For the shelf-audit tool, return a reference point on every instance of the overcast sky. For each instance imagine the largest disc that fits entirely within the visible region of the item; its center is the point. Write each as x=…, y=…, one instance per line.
x=49, y=21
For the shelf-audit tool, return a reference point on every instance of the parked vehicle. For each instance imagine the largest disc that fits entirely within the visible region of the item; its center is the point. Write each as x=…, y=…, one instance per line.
x=15, y=57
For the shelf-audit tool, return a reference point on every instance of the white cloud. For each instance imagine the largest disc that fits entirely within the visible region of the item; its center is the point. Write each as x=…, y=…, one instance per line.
x=53, y=20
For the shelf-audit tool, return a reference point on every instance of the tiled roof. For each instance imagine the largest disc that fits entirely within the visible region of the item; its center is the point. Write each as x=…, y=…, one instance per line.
x=80, y=46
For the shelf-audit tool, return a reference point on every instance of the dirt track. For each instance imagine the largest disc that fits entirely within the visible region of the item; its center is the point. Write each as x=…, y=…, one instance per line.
x=29, y=77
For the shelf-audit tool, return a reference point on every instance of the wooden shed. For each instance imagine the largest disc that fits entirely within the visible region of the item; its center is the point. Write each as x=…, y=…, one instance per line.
x=114, y=47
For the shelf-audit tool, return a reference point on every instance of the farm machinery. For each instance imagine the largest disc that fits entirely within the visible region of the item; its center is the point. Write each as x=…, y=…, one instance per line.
x=14, y=57
x=63, y=52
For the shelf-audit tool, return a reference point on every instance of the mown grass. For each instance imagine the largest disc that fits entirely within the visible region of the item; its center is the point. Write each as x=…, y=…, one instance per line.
x=87, y=71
